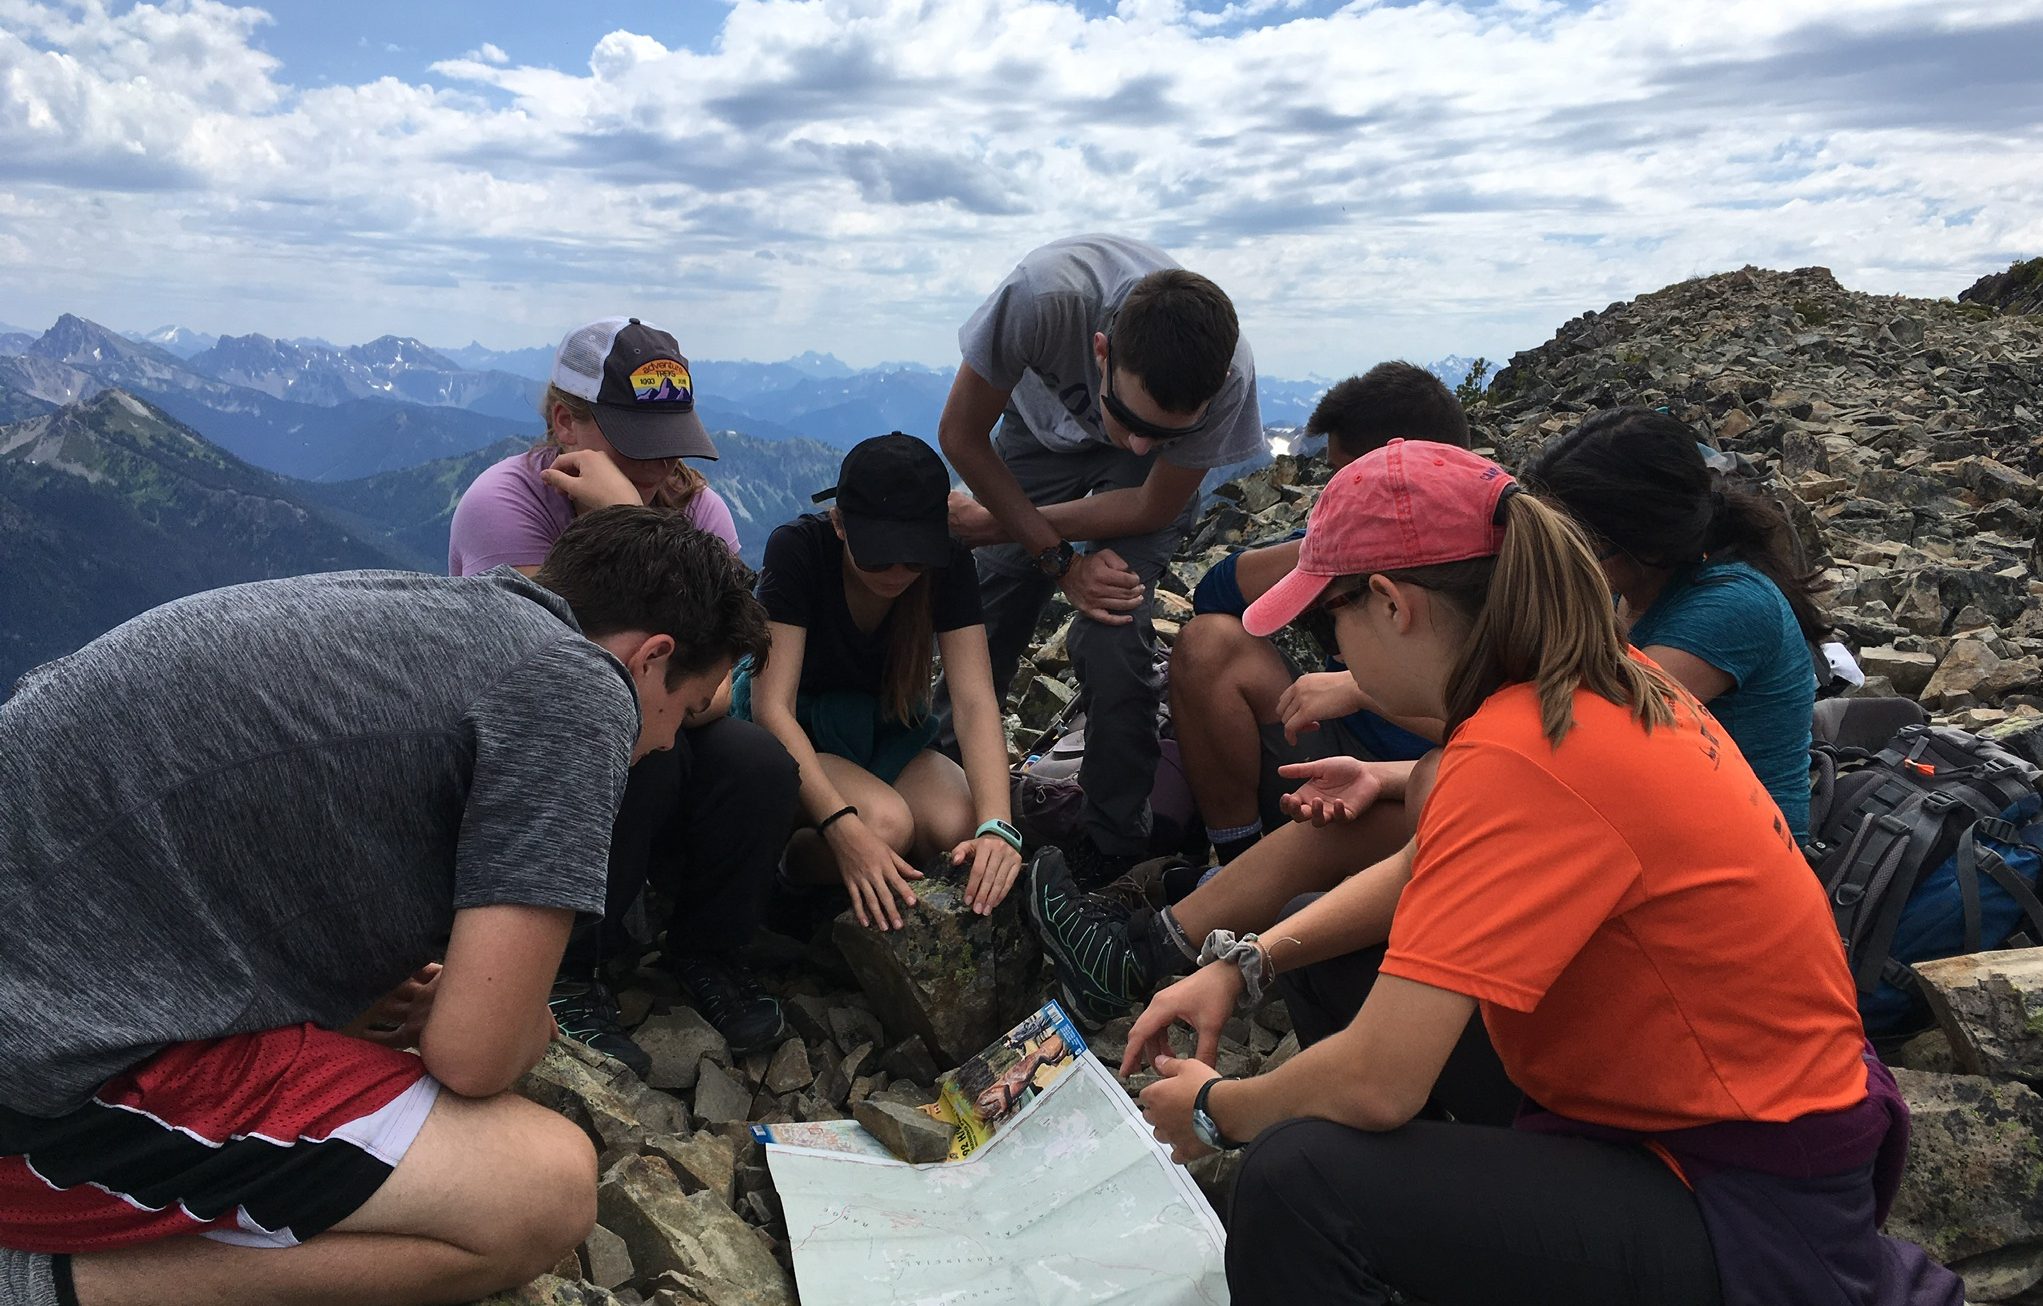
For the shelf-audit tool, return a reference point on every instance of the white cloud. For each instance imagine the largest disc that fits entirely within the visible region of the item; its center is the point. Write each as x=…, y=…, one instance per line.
x=855, y=174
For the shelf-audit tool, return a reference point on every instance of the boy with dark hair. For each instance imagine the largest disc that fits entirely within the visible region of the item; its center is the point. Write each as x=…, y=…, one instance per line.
x=235, y=825
x=1235, y=697
x=1117, y=379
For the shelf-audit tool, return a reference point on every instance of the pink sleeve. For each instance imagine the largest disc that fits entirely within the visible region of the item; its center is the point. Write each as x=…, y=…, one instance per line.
x=709, y=512
x=507, y=517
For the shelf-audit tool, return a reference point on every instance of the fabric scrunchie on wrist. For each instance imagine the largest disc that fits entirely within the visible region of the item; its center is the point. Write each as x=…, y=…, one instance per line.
x=1245, y=952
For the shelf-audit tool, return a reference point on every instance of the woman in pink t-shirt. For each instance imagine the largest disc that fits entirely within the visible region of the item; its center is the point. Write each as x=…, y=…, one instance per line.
x=706, y=819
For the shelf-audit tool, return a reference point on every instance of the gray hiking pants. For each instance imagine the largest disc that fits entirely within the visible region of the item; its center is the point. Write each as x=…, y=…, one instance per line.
x=1118, y=681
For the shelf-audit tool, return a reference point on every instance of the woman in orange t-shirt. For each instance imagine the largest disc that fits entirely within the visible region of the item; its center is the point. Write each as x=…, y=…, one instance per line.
x=1598, y=873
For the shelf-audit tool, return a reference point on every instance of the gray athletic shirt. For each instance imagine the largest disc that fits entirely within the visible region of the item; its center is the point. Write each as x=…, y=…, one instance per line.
x=262, y=805
x=1033, y=337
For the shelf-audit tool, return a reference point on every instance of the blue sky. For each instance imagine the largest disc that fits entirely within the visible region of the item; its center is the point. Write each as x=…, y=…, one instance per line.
x=1367, y=180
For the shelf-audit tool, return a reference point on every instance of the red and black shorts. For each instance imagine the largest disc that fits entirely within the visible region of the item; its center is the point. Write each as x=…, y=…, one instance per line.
x=262, y=1139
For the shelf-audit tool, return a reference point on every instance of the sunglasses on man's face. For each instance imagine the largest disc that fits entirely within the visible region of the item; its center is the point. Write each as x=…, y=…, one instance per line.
x=1134, y=425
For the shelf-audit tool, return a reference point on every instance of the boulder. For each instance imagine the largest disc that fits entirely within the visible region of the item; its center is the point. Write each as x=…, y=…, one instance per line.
x=1908, y=671
x=1991, y=1009
x=677, y=1042
x=913, y=1135
x=703, y=1162
x=1959, y=678
x=789, y=1068
x=567, y=1082
x=1974, y=1187
x=606, y=1262
x=720, y=1099
x=694, y=1234
x=957, y=979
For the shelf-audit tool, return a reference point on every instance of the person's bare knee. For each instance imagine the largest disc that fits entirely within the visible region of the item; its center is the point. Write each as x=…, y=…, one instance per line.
x=1207, y=645
x=889, y=818
x=502, y=1178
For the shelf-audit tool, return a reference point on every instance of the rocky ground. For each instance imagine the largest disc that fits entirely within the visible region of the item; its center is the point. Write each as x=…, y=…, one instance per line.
x=1905, y=436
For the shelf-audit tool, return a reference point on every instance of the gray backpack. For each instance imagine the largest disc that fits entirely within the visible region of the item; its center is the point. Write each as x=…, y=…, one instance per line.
x=1928, y=843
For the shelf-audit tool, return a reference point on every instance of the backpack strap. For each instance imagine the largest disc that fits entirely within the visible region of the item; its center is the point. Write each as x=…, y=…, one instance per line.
x=1866, y=884
x=2004, y=875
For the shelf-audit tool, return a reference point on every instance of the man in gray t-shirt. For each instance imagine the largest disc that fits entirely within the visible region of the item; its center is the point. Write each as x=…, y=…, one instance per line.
x=236, y=822
x=1118, y=379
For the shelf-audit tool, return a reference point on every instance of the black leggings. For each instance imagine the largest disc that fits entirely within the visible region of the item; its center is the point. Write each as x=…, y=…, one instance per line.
x=1461, y=1215
x=704, y=822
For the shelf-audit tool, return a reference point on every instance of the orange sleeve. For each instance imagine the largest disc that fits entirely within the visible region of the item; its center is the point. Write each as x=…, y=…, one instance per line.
x=1515, y=872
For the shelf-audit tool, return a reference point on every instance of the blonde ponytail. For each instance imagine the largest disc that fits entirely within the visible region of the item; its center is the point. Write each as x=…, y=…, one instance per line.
x=1542, y=615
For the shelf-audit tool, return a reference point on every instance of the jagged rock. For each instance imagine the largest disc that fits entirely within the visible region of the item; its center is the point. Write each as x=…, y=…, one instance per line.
x=914, y=1136
x=1929, y=1050
x=957, y=979
x=606, y=1261
x=695, y=1234
x=809, y=1013
x=718, y=1097
x=1974, y=1185
x=1042, y=700
x=1991, y=1008
x=703, y=1162
x=910, y=1059
x=789, y=1068
x=554, y=1290
x=1907, y=671
x=567, y=1082
x=851, y=1026
x=2017, y=290
x=677, y=1042
x=1960, y=674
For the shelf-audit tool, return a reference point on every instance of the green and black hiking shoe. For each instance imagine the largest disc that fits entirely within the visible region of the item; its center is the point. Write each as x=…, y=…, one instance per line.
x=729, y=996
x=586, y=1012
x=1087, y=940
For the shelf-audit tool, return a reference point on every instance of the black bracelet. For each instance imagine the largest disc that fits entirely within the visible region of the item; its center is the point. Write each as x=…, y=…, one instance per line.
x=846, y=810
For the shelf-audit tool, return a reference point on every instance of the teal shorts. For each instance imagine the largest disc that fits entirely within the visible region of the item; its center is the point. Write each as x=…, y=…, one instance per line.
x=850, y=724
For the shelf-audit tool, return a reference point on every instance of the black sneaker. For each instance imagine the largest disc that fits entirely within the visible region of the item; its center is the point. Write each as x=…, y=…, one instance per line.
x=1100, y=974
x=1092, y=869
x=586, y=1012
x=729, y=997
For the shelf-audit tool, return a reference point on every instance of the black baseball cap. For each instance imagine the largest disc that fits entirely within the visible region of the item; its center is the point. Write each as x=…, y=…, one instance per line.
x=639, y=382
x=893, y=496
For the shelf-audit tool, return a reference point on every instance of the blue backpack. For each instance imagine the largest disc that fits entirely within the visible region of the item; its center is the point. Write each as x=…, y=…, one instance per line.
x=1930, y=845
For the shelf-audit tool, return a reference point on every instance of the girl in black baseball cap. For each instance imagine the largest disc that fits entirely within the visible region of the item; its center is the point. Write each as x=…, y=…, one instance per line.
x=855, y=599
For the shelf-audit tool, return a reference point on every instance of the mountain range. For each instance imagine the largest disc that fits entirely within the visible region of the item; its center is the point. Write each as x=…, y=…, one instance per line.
x=110, y=505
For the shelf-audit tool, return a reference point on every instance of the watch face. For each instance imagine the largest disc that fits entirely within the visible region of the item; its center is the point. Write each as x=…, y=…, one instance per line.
x=1208, y=1132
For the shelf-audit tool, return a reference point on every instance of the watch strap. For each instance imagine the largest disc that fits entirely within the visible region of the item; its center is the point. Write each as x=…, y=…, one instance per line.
x=1006, y=833
x=1220, y=1139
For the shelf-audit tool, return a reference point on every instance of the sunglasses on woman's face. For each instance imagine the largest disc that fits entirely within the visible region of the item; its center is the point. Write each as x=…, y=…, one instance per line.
x=917, y=567
x=1318, y=620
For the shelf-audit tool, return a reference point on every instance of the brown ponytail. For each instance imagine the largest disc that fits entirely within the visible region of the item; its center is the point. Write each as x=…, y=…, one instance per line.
x=904, y=693
x=680, y=487
x=1541, y=614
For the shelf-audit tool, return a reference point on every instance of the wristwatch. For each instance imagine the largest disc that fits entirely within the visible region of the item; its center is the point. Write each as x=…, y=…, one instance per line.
x=1056, y=560
x=1203, y=1123
x=1007, y=833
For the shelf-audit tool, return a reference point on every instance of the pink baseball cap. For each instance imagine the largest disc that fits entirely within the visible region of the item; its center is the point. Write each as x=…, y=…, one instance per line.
x=1409, y=504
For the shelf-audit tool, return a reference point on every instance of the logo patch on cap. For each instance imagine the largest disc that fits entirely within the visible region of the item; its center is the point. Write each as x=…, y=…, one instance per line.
x=662, y=380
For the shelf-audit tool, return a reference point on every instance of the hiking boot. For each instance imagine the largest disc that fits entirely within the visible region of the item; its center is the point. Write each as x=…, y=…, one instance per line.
x=1151, y=885
x=1098, y=972
x=586, y=1012
x=729, y=997
x=1090, y=868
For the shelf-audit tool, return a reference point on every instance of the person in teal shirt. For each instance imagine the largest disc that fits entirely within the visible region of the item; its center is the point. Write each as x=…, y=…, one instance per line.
x=1710, y=578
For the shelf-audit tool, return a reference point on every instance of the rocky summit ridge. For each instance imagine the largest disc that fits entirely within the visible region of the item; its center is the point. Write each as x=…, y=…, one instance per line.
x=1903, y=434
